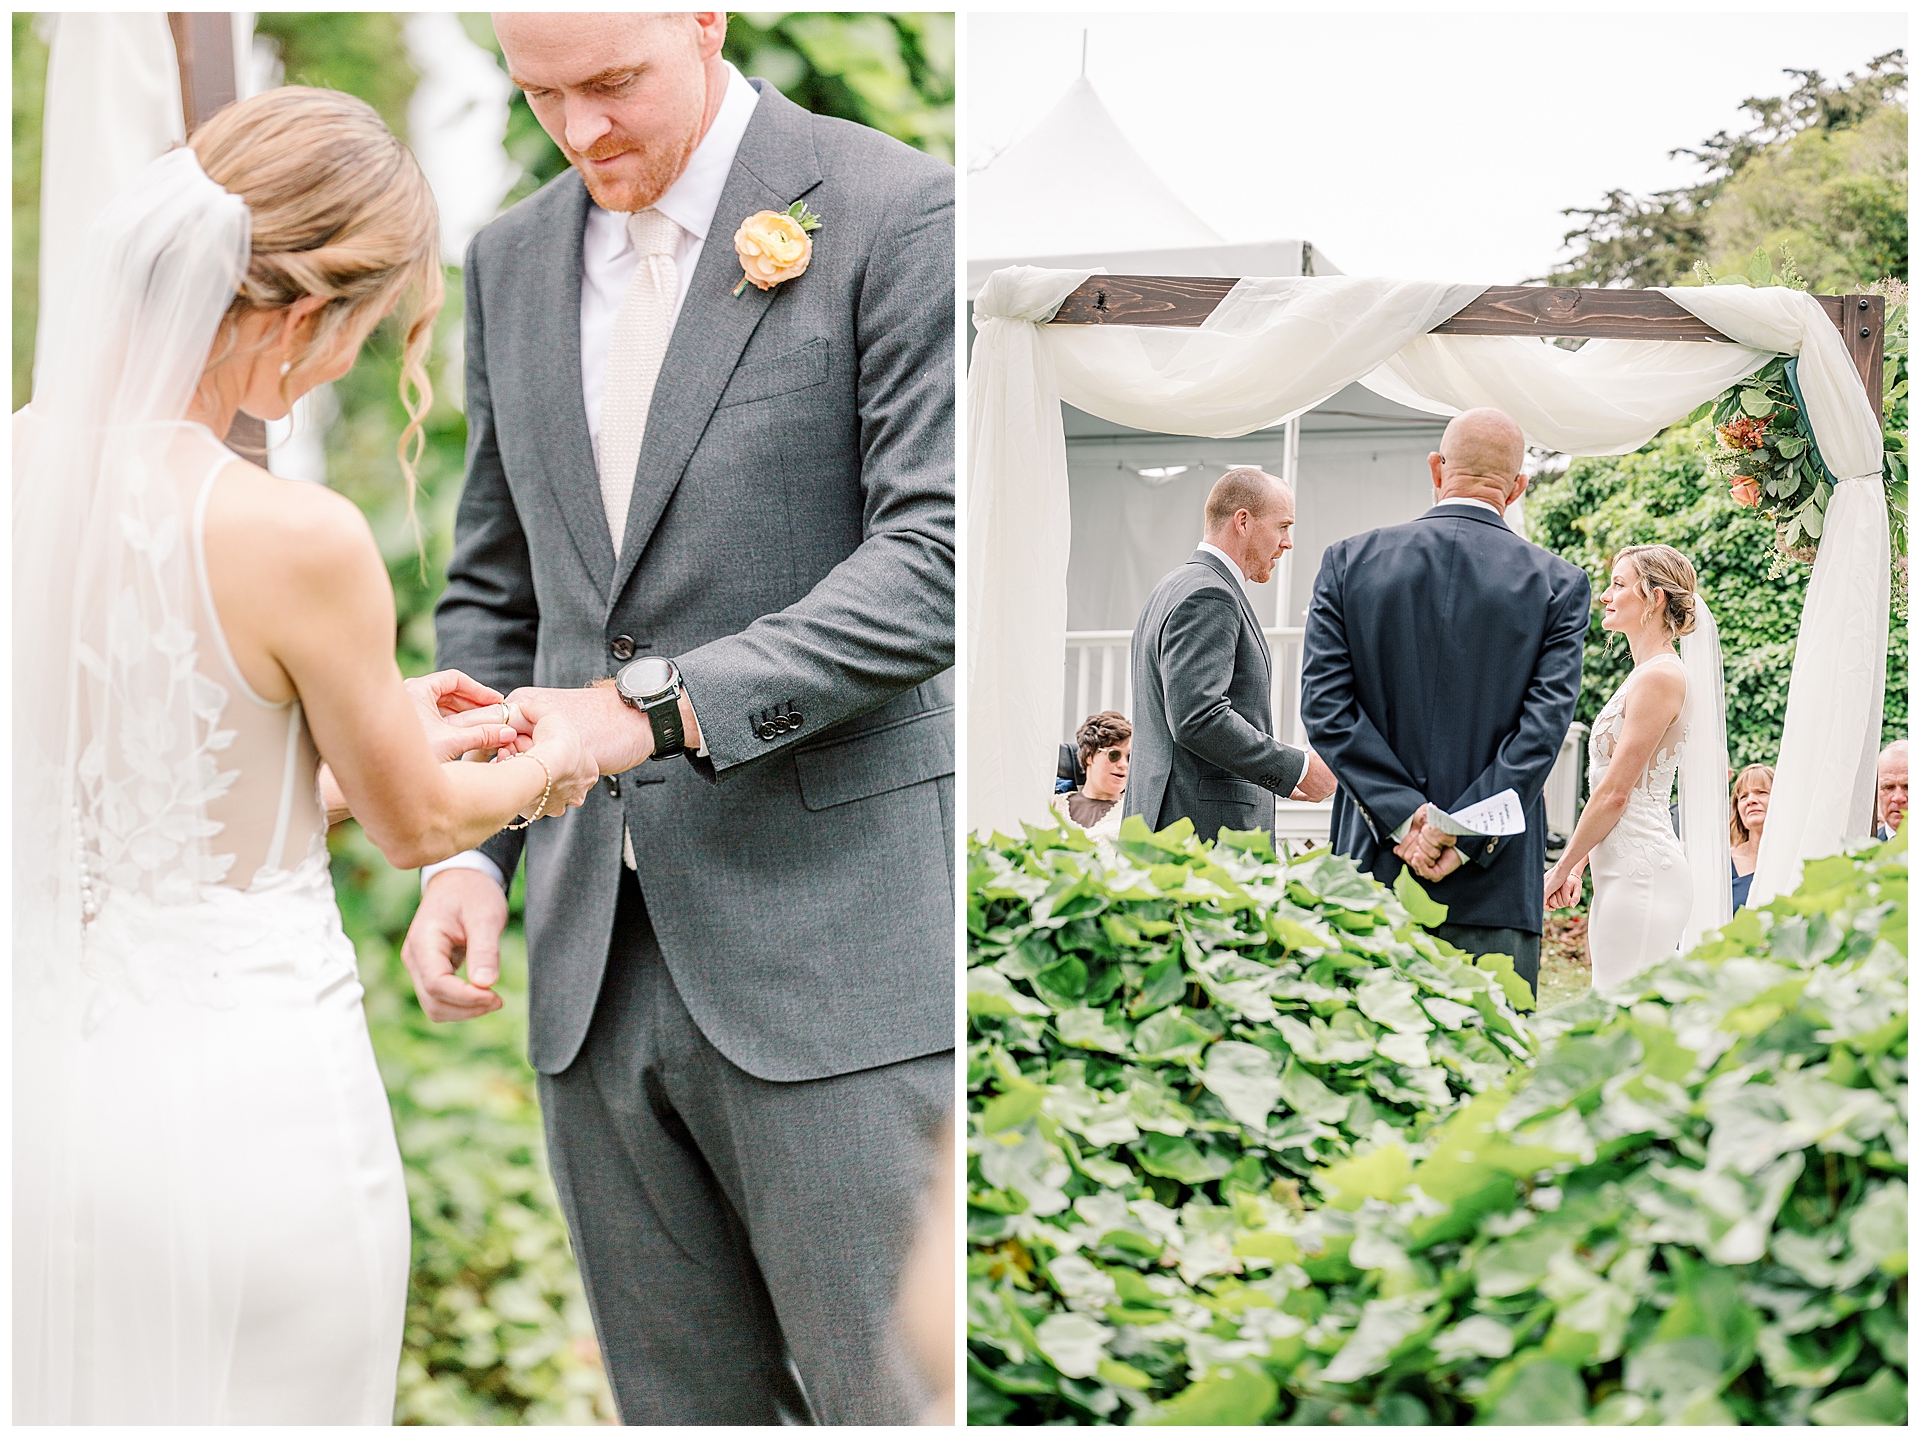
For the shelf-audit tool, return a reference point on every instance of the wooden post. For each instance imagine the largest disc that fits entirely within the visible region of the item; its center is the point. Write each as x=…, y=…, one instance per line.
x=203, y=45
x=1184, y=302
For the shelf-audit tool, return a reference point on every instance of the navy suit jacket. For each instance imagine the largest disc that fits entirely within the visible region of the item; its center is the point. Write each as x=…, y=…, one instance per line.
x=1443, y=664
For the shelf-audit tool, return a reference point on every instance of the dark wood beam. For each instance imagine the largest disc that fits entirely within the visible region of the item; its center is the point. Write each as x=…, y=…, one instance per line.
x=1185, y=302
x=203, y=46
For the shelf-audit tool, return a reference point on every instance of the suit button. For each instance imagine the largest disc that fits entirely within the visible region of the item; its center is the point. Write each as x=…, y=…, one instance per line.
x=623, y=648
x=612, y=781
x=780, y=725
x=793, y=719
x=767, y=731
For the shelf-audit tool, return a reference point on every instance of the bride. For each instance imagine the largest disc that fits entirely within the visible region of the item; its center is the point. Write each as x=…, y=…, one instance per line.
x=1653, y=895
x=210, y=1224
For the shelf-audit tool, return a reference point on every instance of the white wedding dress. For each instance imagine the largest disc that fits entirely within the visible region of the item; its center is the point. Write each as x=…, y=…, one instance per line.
x=209, y=1216
x=1643, y=888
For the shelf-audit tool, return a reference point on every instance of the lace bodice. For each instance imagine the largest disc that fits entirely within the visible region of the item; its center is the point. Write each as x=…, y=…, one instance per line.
x=1653, y=791
x=270, y=818
x=243, y=782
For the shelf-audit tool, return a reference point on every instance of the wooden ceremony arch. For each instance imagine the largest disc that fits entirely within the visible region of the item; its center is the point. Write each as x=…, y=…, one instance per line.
x=1545, y=311
x=203, y=46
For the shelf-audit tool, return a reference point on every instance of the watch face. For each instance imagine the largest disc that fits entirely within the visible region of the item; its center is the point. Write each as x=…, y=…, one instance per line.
x=647, y=676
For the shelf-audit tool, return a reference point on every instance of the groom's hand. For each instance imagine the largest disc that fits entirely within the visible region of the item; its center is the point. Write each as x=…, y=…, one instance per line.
x=460, y=919
x=618, y=736
x=1317, y=783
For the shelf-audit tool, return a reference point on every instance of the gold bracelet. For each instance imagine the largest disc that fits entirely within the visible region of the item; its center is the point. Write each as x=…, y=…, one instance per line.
x=546, y=793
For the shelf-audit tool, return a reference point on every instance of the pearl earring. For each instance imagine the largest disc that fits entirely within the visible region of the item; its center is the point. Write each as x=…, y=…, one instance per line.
x=285, y=366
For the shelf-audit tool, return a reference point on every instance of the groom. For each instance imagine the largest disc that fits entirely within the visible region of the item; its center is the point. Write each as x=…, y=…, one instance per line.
x=1442, y=665
x=735, y=502
x=1203, y=745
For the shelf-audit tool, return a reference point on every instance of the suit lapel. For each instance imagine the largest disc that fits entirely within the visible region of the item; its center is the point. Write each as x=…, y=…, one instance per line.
x=1214, y=562
x=565, y=446
x=774, y=166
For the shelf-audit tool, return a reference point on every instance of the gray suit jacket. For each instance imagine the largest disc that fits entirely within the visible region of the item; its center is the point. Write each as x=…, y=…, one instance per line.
x=1203, y=745
x=790, y=544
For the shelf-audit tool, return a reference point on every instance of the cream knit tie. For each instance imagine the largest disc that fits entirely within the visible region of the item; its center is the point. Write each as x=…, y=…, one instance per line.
x=639, y=342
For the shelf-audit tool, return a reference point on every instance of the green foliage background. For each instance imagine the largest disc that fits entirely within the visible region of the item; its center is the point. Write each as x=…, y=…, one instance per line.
x=1663, y=494
x=1684, y=1202
x=1821, y=171
x=497, y=1327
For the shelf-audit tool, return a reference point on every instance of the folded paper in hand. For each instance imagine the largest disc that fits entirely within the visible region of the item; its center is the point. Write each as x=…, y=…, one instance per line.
x=1500, y=815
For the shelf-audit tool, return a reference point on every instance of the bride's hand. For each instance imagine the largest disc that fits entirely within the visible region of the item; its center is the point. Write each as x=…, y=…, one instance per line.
x=1563, y=884
x=570, y=764
x=437, y=696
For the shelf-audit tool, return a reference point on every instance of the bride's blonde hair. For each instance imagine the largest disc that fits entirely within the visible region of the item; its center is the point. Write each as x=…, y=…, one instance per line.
x=340, y=211
x=1662, y=567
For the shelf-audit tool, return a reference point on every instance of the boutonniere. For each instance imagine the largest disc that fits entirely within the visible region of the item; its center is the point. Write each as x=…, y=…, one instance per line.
x=774, y=247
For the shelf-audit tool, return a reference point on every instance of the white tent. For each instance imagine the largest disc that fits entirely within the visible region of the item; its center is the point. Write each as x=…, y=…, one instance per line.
x=1074, y=194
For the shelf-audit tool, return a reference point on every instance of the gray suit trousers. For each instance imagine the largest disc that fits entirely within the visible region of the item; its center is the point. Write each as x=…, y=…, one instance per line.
x=734, y=1232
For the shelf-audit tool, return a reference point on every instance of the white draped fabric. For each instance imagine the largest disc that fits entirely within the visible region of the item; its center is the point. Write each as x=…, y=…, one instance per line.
x=112, y=104
x=1275, y=348
x=1823, y=780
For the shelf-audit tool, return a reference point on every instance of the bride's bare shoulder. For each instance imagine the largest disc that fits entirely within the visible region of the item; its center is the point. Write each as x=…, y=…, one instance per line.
x=290, y=528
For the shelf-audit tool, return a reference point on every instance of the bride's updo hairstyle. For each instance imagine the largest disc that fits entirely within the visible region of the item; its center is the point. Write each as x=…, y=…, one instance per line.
x=340, y=210
x=1662, y=567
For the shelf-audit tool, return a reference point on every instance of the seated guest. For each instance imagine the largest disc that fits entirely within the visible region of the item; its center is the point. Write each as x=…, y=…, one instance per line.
x=1890, y=790
x=1106, y=744
x=1752, y=789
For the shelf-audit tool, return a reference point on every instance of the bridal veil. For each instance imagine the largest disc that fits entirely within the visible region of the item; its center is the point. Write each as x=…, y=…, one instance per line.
x=115, y=757
x=1703, y=781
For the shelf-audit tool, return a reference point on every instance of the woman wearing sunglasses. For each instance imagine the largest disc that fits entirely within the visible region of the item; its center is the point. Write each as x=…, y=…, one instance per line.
x=1106, y=743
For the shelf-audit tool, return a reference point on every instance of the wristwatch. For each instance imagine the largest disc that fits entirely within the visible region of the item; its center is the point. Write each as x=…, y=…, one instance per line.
x=652, y=685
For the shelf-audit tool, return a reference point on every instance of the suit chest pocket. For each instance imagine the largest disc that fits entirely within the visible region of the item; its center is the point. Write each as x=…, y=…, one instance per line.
x=798, y=369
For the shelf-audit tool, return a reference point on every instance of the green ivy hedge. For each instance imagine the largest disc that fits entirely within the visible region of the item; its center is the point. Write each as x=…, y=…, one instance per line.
x=1689, y=1207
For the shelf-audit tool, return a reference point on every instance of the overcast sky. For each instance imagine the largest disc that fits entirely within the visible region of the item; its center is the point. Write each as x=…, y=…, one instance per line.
x=1420, y=146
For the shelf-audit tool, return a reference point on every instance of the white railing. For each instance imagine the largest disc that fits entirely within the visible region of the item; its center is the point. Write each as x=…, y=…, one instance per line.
x=1100, y=676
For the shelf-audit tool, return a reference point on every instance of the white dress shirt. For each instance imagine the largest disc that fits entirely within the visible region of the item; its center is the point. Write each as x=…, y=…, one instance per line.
x=1492, y=509
x=607, y=263
x=607, y=260
x=1238, y=572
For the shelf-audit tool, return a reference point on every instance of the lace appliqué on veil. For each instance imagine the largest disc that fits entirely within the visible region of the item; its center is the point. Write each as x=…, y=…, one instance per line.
x=142, y=793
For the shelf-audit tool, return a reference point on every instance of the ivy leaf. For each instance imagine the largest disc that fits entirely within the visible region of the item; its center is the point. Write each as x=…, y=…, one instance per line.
x=1245, y=1079
x=1236, y=1397
x=1307, y=1096
x=1879, y=1402
x=1419, y=904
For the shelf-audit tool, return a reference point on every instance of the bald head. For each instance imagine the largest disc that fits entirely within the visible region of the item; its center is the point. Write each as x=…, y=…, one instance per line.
x=1482, y=456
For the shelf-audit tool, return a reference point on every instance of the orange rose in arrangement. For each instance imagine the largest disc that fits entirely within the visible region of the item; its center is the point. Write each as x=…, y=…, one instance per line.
x=775, y=247
x=1746, y=490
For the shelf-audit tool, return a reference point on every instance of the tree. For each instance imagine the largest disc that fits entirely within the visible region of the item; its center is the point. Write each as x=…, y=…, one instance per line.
x=1821, y=170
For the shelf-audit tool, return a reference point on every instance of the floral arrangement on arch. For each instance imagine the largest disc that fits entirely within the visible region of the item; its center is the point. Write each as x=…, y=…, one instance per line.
x=1764, y=449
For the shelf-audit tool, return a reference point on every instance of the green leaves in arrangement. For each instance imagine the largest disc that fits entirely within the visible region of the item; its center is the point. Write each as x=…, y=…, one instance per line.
x=1680, y=1202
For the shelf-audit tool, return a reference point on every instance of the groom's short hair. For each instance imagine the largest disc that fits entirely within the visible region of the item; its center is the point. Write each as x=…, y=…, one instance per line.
x=1243, y=487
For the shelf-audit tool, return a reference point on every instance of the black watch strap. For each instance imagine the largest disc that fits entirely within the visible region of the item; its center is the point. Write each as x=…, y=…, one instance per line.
x=669, y=734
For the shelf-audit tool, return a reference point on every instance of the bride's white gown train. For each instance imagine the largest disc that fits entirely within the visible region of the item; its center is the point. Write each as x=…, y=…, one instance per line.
x=222, y=1232
x=1643, y=890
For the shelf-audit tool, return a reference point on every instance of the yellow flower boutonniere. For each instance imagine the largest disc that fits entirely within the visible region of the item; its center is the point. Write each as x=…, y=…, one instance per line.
x=775, y=247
